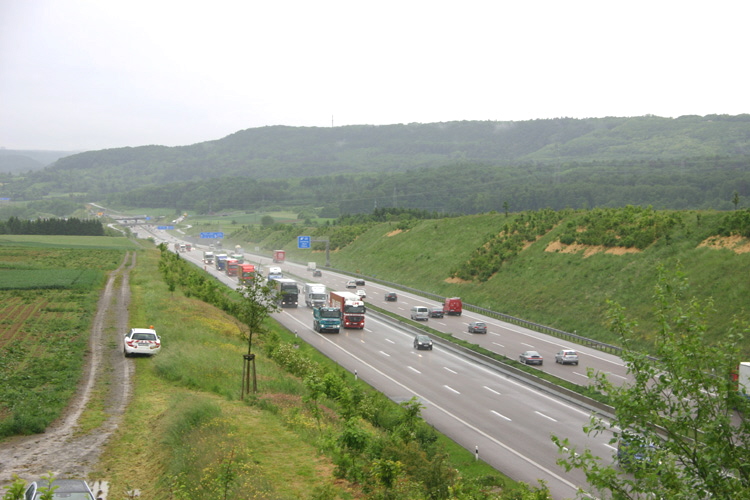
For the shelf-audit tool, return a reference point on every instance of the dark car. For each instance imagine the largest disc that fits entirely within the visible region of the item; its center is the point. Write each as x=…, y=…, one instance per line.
x=437, y=312
x=359, y=282
x=531, y=358
x=422, y=342
x=477, y=327
x=317, y=272
x=391, y=296
x=64, y=488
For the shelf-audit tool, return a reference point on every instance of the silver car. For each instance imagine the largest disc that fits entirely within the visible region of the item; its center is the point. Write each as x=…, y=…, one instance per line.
x=567, y=356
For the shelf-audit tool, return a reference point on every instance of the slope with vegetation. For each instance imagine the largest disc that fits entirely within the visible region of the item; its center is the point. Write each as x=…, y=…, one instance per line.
x=554, y=268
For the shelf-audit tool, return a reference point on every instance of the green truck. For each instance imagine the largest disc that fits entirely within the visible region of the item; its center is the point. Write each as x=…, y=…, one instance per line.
x=326, y=319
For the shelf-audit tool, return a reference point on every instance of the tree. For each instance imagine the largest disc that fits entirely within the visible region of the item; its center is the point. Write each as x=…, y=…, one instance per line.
x=736, y=199
x=685, y=406
x=258, y=301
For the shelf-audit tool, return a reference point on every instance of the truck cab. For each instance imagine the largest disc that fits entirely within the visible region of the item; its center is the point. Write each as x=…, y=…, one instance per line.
x=327, y=319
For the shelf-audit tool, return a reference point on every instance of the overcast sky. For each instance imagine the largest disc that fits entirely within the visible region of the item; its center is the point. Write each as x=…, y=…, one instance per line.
x=86, y=75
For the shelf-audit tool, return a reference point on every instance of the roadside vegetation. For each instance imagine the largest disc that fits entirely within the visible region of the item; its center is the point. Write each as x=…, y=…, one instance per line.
x=558, y=274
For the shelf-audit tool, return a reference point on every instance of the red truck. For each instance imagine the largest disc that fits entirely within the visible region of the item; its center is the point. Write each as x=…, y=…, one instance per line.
x=352, y=308
x=233, y=267
x=246, y=273
x=453, y=305
x=279, y=256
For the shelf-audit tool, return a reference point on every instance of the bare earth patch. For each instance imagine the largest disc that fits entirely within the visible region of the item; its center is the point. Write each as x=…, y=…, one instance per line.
x=588, y=250
x=737, y=244
x=394, y=233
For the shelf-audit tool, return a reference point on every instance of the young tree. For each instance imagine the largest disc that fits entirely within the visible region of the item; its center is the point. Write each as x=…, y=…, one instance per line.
x=685, y=408
x=258, y=301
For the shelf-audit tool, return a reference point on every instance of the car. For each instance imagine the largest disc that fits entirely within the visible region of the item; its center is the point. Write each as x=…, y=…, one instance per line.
x=76, y=489
x=567, y=356
x=359, y=282
x=634, y=452
x=351, y=284
x=362, y=294
x=420, y=313
x=531, y=358
x=317, y=272
x=422, y=342
x=391, y=296
x=477, y=327
x=141, y=341
x=437, y=312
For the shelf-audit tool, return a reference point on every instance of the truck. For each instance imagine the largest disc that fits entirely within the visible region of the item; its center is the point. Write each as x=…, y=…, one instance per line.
x=188, y=247
x=279, y=256
x=315, y=295
x=247, y=273
x=208, y=257
x=232, y=267
x=351, y=307
x=287, y=292
x=326, y=319
x=182, y=248
x=453, y=306
x=312, y=266
x=220, y=260
x=274, y=273
x=238, y=256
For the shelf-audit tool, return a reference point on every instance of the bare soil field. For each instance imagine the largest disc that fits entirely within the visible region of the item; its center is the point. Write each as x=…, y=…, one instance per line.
x=64, y=449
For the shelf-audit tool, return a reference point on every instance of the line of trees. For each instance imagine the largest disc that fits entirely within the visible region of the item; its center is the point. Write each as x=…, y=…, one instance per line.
x=71, y=226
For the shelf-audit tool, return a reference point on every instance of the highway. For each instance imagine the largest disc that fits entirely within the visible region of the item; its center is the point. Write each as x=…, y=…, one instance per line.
x=506, y=422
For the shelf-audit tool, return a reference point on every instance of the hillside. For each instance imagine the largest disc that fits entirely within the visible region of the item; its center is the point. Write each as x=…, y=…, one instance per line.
x=284, y=164
x=544, y=276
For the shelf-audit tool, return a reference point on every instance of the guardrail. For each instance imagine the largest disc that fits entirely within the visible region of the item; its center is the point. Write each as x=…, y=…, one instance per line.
x=573, y=337
x=498, y=366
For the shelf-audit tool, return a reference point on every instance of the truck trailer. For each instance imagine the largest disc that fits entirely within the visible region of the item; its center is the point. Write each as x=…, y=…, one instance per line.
x=315, y=295
x=232, y=267
x=279, y=256
x=352, y=308
x=208, y=257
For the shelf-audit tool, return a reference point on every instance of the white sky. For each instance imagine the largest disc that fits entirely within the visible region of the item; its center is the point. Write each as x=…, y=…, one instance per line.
x=85, y=75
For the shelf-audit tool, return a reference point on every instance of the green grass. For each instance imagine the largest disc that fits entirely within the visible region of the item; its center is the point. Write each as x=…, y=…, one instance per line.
x=563, y=290
x=77, y=242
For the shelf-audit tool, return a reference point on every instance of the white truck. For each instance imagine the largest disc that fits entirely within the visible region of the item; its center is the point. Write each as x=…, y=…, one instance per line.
x=743, y=378
x=312, y=266
x=315, y=295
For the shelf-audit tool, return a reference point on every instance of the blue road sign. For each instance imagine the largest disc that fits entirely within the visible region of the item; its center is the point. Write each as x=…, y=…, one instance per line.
x=303, y=242
x=163, y=228
x=212, y=235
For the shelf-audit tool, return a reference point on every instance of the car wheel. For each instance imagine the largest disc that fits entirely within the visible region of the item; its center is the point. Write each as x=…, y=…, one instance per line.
x=125, y=353
x=430, y=347
x=576, y=363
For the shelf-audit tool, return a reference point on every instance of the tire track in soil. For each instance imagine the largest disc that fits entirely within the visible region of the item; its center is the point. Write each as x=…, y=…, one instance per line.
x=59, y=449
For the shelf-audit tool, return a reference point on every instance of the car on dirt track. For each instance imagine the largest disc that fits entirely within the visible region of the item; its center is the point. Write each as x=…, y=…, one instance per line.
x=73, y=489
x=141, y=341
x=477, y=327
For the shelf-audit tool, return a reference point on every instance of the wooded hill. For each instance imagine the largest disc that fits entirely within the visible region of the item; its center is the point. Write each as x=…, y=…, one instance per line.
x=464, y=167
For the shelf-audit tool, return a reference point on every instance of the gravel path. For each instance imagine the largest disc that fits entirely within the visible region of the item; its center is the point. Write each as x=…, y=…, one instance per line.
x=61, y=449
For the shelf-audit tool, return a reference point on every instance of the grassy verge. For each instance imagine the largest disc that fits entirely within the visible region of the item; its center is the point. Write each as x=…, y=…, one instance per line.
x=186, y=434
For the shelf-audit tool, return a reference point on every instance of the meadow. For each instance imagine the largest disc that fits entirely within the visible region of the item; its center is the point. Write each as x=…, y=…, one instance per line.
x=49, y=288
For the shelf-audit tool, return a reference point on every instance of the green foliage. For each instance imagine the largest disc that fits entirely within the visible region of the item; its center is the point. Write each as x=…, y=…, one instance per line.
x=29, y=279
x=684, y=403
x=70, y=226
x=503, y=246
x=628, y=227
x=736, y=223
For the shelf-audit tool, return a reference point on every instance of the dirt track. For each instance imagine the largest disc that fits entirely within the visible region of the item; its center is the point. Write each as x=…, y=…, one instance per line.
x=61, y=449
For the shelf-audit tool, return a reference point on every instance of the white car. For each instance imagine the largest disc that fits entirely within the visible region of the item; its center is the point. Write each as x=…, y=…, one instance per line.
x=351, y=284
x=567, y=356
x=141, y=341
x=362, y=294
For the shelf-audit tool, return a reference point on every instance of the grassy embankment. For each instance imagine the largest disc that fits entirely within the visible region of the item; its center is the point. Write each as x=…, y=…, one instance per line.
x=186, y=400
x=548, y=283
